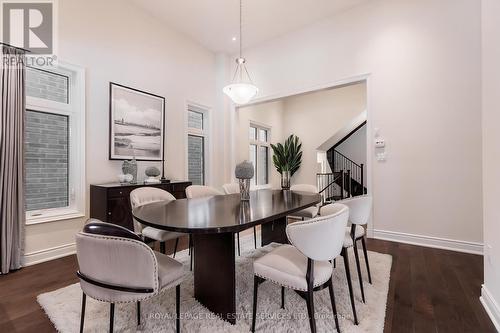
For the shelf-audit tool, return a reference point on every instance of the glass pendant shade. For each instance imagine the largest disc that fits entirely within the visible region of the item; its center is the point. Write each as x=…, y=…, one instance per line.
x=241, y=93
x=242, y=90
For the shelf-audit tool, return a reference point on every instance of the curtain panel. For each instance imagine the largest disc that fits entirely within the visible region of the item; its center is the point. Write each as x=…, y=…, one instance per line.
x=12, y=207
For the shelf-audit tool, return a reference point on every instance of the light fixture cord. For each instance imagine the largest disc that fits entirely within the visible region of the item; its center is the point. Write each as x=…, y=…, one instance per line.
x=241, y=18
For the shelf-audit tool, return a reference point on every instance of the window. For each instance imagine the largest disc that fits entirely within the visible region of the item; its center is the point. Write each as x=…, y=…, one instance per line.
x=259, y=138
x=196, y=144
x=54, y=144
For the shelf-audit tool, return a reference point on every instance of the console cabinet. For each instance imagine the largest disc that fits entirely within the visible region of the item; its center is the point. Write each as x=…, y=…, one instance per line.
x=111, y=202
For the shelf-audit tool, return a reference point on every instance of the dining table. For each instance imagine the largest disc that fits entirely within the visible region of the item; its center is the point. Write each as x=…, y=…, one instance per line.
x=212, y=223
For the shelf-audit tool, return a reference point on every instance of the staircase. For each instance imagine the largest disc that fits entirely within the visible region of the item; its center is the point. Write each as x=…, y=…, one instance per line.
x=346, y=179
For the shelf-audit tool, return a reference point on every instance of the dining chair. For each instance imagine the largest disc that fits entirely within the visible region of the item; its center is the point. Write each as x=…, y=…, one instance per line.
x=310, y=212
x=145, y=195
x=116, y=266
x=305, y=265
x=232, y=189
x=359, y=212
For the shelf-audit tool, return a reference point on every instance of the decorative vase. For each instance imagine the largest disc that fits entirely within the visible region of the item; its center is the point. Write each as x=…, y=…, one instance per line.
x=245, y=213
x=130, y=167
x=285, y=180
x=244, y=172
x=244, y=189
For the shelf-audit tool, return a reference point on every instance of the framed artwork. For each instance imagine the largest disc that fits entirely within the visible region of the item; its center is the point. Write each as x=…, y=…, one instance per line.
x=137, y=124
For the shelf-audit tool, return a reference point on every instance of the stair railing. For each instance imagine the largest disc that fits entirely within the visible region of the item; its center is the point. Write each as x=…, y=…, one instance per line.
x=355, y=172
x=326, y=184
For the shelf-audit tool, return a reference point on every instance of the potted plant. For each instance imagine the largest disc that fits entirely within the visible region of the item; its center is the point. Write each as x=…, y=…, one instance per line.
x=287, y=158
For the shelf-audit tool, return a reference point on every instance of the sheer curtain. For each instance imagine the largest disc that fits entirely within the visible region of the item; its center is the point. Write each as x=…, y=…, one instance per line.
x=12, y=210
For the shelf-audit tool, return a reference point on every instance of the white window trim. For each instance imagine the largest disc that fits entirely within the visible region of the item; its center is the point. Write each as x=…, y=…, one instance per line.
x=76, y=112
x=258, y=143
x=206, y=133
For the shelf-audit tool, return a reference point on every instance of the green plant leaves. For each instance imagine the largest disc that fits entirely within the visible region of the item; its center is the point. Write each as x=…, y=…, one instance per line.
x=287, y=157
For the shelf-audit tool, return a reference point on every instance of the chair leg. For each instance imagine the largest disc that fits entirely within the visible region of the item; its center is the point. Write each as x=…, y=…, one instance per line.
x=138, y=313
x=191, y=264
x=360, y=277
x=175, y=246
x=178, y=307
x=238, y=236
x=334, y=262
x=255, y=236
x=363, y=244
x=162, y=247
x=191, y=252
x=282, y=297
x=310, y=310
x=189, y=244
x=82, y=316
x=349, y=283
x=255, y=290
x=111, y=317
x=334, y=307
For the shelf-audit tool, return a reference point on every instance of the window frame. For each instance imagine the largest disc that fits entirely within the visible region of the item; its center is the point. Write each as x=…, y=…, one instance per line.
x=75, y=111
x=256, y=142
x=204, y=133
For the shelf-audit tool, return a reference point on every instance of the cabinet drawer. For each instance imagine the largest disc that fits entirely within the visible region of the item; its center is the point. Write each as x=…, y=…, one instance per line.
x=118, y=192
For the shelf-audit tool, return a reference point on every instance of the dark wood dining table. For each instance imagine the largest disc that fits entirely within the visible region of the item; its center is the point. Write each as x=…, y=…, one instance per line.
x=212, y=223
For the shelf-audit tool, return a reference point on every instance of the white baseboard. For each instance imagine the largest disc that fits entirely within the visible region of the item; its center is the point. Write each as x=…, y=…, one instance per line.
x=428, y=241
x=491, y=306
x=52, y=253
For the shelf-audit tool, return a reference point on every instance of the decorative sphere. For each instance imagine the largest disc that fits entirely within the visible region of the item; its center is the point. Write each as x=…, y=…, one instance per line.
x=152, y=172
x=244, y=170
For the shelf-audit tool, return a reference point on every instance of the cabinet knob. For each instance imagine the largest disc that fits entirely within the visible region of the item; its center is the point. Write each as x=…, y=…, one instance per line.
x=109, y=213
x=121, y=192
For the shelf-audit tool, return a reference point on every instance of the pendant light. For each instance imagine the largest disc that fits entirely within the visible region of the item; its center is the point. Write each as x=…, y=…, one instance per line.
x=242, y=89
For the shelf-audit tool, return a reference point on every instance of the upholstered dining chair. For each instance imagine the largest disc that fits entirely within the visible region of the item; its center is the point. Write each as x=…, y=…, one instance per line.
x=359, y=212
x=145, y=195
x=305, y=265
x=232, y=189
x=310, y=212
x=116, y=266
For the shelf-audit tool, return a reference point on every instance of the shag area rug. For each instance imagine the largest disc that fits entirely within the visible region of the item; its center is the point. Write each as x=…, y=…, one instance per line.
x=63, y=306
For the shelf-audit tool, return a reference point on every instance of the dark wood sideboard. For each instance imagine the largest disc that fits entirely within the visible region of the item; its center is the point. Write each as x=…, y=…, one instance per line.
x=111, y=202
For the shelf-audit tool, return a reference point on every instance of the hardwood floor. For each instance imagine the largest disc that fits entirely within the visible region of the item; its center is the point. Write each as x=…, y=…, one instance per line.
x=430, y=291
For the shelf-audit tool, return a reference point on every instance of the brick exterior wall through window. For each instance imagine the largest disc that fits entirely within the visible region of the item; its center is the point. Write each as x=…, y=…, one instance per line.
x=46, y=160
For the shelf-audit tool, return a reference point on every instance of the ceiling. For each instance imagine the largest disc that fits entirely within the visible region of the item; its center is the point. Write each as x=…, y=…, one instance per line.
x=214, y=23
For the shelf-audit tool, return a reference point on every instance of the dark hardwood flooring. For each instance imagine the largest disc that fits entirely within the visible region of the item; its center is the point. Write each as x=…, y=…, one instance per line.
x=431, y=290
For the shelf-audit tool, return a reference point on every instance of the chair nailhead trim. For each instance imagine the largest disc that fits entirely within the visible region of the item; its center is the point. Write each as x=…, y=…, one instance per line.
x=156, y=287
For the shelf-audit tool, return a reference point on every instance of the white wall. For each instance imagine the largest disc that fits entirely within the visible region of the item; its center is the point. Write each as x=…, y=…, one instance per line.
x=269, y=115
x=491, y=157
x=115, y=41
x=423, y=57
x=315, y=117
x=355, y=148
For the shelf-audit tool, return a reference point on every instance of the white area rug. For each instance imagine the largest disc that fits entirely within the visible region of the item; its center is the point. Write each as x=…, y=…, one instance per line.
x=63, y=306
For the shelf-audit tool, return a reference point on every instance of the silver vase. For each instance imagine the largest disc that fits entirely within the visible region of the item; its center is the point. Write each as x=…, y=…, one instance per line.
x=130, y=167
x=285, y=180
x=244, y=189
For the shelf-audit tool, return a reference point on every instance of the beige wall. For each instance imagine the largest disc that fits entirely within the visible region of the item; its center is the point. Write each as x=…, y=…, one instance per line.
x=313, y=117
x=267, y=114
x=316, y=117
x=423, y=59
x=491, y=157
x=115, y=41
